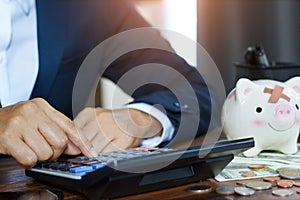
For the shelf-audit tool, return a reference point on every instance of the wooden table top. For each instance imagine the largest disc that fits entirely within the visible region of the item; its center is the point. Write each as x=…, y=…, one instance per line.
x=13, y=178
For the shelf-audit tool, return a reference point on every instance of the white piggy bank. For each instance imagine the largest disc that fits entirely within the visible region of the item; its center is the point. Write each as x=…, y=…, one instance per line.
x=267, y=110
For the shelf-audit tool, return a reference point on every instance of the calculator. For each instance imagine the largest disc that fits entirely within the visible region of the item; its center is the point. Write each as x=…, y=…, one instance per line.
x=137, y=170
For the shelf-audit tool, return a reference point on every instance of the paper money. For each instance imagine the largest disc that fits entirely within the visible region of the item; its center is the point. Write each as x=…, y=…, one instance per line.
x=271, y=159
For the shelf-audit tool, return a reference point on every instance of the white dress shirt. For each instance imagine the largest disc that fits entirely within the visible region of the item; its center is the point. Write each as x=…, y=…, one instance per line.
x=19, y=61
x=18, y=50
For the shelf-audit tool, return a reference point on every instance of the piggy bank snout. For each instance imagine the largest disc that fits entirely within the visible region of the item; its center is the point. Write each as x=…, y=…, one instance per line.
x=284, y=113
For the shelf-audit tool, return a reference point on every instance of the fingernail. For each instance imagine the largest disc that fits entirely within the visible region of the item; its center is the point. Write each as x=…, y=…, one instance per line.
x=93, y=152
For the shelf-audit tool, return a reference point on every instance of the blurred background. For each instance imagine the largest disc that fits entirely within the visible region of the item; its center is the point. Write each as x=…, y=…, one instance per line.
x=225, y=28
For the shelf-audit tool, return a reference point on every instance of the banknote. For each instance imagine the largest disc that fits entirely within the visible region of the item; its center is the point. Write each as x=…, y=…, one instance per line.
x=272, y=160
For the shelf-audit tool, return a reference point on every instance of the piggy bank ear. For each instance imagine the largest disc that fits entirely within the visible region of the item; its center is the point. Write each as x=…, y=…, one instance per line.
x=294, y=83
x=243, y=87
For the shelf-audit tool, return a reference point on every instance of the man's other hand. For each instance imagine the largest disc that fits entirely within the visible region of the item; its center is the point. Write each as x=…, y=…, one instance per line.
x=110, y=130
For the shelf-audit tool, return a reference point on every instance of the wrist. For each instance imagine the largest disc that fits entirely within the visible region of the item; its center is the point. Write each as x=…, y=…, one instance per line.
x=148, y=125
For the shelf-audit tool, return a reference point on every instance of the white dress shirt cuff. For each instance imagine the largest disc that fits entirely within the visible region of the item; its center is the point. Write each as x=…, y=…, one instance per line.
x=168, y=128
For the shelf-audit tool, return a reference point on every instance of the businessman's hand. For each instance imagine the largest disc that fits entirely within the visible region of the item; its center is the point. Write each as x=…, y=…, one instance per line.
x=110, y=130
x=33, y=131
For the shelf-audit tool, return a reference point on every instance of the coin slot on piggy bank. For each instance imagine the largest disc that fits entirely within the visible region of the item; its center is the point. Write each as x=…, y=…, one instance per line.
x=266, y=110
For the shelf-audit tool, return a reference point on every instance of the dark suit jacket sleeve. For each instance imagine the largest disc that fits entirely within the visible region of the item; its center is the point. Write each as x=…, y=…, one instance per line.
x=188, y=111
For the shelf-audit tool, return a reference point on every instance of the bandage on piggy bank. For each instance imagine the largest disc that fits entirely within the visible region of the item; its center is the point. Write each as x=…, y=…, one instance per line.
x=266, y=110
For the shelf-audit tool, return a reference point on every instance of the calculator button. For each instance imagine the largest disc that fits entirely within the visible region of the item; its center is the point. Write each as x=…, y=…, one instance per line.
x=77, y=160
x=42, y=164
x=98, y=166
x=67, y=166
x=54, y=165
x=81, y=169
x=46, y=165
x=89, y=162
x=82, y=158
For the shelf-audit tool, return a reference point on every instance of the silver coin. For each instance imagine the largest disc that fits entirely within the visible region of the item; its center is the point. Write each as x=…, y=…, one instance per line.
x=200, y=188
x=286, y=168
x=259, y=185
x=244, y=191
x=290, y=173
x=282, y=192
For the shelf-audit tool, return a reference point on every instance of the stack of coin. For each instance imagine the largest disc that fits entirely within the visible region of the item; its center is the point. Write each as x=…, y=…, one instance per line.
x=284, y=180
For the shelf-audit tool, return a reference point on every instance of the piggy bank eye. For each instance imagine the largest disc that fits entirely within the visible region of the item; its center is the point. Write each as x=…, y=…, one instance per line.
x=297, y=107
x=258, y=109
